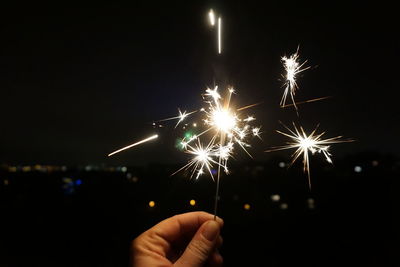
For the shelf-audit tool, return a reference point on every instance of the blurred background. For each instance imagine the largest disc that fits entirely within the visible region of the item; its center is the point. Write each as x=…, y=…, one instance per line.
x=77, y=83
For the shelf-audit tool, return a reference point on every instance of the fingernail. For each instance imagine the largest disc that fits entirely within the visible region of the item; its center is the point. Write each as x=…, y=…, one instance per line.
x=211, y=230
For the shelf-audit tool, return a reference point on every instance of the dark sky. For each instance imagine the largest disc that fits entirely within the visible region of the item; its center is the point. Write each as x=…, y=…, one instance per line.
x=77, y=83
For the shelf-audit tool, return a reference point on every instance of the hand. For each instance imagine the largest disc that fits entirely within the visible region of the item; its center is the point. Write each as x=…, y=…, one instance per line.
x=189, y=239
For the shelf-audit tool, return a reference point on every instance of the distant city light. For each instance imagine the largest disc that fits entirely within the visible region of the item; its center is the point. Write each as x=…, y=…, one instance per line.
x=192, y=202
x=6, y=182
x=246, y=206
x=26, y=168
x=152, y=204
x=357, y=169
x=375, y=163
x=311, y=203
x=78, y=182
x=275, y=197
x=284, y=206
x=124, y=169
x=282, y=164
x=12, y=169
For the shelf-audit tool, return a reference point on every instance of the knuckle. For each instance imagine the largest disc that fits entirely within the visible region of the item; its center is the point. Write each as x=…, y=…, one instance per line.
x=199, y=249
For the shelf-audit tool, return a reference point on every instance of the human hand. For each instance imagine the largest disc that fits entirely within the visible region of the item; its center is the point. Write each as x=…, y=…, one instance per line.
x=189, y=239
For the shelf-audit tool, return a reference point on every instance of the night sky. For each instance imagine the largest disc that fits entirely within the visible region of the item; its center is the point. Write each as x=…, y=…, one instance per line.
x=78, y=83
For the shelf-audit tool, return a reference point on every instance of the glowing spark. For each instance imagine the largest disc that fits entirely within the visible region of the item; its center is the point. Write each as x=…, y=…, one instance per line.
x=304, y=144
x=307, y=101
x=213, y=93
x=219, y=34
x=135, y=144
x=256, y=131
x=249, y=106
x=202, y=158
x=249, y=119
x=211, y=16
x=180, y=117
x=292, y=68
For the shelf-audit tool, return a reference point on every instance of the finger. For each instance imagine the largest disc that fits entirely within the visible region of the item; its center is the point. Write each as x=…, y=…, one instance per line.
x=202, y=246
x=180, y=225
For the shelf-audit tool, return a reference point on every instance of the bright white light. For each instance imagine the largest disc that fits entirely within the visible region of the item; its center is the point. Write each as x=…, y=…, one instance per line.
x=357, y=169
x=211, y=17
x=275, y=197
x=219, y=35
x=223, y=120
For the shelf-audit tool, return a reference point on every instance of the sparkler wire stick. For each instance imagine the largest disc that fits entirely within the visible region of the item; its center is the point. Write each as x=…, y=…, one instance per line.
x=218, y=176
x=134, y=144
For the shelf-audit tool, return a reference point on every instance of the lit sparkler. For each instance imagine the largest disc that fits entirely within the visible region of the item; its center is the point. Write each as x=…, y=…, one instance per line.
x=227, y=130
x=292, y=68
x=226, y=126
x=304, y=144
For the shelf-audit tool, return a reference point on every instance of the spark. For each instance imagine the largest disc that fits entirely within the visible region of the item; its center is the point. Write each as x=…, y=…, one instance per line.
x=181, y=117
x=307, y=101
x=249, y=106
x=202, y=158
x=256, y=132
x=304, y=144
x=292, y=68
x=211, y=17
x=219, y=35
x=135, y=144
x=249, y=118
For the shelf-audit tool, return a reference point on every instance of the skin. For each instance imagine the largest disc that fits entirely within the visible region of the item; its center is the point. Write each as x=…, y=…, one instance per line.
x=189, y=239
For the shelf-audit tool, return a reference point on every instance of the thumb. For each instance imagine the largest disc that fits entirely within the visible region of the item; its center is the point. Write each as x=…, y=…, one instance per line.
x=201, y=246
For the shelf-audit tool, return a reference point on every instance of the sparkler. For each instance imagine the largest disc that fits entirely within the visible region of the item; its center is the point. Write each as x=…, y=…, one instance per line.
x=134, y=144
x=304, y=144
x=292, y=69
x=226, y=126
x=227, y=129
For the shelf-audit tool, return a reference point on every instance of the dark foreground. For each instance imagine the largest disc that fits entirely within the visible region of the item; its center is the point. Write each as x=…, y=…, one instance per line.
x=88, y=216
